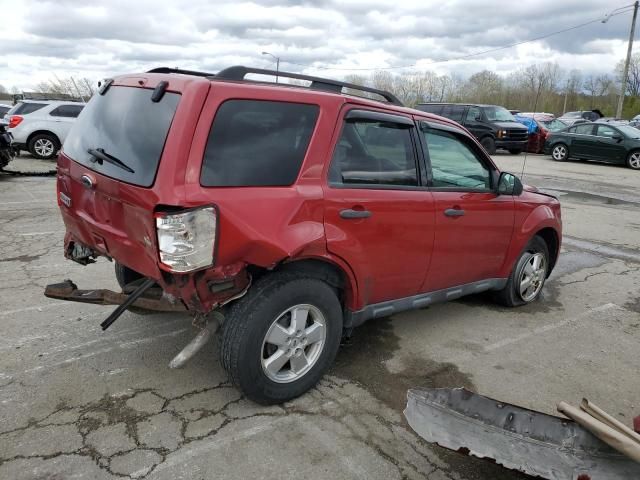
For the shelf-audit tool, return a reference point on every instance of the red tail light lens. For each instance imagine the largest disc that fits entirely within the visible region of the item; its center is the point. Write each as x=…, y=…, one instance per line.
x=14, y=120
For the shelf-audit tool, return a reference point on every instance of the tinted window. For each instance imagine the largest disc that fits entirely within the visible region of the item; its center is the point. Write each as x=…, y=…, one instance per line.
x=453, y=163
x=605, y=131
x=584, y=129
x=71, y=111
x=435, y=109
x=498, y=114
x=4, y=110
x=474, y=114
x=553, y=125
x=374, y=153
x=128, y=126
x=257, y=143
x=454, y=112
x=22, y=108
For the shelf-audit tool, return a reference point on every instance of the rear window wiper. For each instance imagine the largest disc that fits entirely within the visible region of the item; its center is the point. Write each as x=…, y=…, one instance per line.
x=99, y=155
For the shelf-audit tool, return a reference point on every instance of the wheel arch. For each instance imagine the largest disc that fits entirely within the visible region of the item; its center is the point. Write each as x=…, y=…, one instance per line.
x=551, y=238
x=329, y=270
x=45, y=132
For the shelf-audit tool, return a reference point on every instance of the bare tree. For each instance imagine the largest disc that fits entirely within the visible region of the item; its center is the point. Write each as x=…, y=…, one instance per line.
x=633, y=79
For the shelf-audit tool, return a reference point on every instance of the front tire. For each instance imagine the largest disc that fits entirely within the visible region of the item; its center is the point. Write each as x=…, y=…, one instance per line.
x=125, y=275
x=560, y=152
x=528, y=276
x=280, y=338
x=489, y=145
x=515, y=151
x=44, y=146
x=633, y=160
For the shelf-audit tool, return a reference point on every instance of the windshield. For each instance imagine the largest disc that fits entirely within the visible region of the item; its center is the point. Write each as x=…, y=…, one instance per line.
x=498, y=114
x=123, y=127
x=553, y=125
x=628, y=131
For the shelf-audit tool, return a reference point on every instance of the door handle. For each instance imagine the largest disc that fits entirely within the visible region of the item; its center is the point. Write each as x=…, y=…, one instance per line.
x=350, y=213
x=454, y=212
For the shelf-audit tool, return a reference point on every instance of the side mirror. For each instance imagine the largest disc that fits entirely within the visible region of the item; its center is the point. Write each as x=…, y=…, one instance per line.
x=617, y=137
x=478, y=118
x=509, y=184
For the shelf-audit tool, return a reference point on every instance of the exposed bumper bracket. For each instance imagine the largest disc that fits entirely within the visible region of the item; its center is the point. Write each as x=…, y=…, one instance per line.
x=68, y=290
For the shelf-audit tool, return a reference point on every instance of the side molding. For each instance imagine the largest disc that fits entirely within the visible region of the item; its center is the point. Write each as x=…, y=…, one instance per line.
x=390, y=307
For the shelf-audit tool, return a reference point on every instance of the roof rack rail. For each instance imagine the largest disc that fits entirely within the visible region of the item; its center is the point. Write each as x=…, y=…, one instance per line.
x=179, y=70
x=239, y=72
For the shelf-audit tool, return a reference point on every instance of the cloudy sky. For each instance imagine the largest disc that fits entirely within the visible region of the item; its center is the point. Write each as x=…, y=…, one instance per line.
x=40, y=39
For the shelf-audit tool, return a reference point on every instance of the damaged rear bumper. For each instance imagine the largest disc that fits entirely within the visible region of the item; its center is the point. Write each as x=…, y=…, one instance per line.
x=68, y=290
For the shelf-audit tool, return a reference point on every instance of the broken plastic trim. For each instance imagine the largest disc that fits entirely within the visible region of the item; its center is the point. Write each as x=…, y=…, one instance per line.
x=517, y=438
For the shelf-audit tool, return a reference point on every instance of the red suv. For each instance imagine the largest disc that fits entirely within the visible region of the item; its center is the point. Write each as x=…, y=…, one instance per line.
x=297, y=212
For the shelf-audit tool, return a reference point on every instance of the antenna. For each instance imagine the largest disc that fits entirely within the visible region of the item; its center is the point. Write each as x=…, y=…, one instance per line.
x=535, y=109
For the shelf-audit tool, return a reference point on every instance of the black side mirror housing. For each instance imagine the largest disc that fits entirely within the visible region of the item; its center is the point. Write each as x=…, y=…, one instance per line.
x=509, y=184
x=617, y=137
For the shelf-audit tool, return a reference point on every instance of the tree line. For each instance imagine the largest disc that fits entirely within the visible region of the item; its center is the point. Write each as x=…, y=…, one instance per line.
x=544, y=87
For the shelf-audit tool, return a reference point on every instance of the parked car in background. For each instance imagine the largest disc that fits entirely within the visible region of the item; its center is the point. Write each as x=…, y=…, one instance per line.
x=634, y=123
x=614, y=120
x=539, y=126
x=41, y=126
x=4, y=109
x=581, y=116
x=596, y=141
x=238, y=196
x=494, y=126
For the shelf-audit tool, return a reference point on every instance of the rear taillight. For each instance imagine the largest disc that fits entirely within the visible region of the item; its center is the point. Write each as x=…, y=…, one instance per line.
x=14, y=120
x=186, y=239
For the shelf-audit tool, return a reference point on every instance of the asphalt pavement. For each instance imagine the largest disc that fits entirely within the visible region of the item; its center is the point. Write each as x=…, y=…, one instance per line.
x=76, y=402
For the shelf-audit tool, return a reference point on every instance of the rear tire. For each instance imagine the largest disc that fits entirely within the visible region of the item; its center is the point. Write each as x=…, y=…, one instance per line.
x=489, y=145
x=515, y=151
x=270, y=356
x=633, y=160
x=527, y=278
x=560, y=152
x=125, y=275
x=44, y=146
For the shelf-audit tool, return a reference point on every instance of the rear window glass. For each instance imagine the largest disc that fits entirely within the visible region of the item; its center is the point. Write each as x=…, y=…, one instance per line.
x=22, y=108
x=257, y=143
x=126, y=125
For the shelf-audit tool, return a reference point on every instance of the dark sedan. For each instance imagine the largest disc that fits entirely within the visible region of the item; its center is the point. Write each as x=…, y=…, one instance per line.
x=596, y=141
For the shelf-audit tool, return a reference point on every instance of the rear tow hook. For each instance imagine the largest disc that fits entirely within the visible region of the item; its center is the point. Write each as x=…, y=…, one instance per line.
x=207, y=328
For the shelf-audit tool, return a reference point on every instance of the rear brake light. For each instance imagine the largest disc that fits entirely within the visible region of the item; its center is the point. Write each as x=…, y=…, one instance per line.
x=186, y=239
x=14, y=120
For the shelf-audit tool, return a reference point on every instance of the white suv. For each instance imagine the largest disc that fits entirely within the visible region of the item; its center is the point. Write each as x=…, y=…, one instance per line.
x=41, y=126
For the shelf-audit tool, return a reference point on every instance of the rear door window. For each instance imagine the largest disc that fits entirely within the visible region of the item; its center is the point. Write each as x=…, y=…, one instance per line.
x=454, y=112
x=124, y=124
x=435, y=109
x=585, y=129
x=257, y=143
x=69, y=111
x=474, y=114
x=374, y=153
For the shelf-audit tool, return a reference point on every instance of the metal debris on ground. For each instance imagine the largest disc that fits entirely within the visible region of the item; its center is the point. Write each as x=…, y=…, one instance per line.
x=517, y=438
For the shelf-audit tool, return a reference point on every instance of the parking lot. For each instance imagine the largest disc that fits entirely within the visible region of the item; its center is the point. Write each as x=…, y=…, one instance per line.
x=77, y=402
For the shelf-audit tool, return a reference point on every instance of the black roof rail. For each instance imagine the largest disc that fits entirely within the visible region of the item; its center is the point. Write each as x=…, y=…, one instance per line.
x=179, y=70
x=239, y=72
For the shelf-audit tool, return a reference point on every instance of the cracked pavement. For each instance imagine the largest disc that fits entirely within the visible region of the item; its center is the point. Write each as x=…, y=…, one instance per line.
x=76, y=402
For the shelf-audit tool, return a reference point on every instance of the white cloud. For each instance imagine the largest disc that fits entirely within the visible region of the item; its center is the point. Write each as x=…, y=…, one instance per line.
x=94, y=39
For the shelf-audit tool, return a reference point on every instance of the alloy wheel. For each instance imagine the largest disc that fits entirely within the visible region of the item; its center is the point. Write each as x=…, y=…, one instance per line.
x=532, y=277
x=44, y=147
x=559, y=152
x=634, y=160
x=293, y=343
